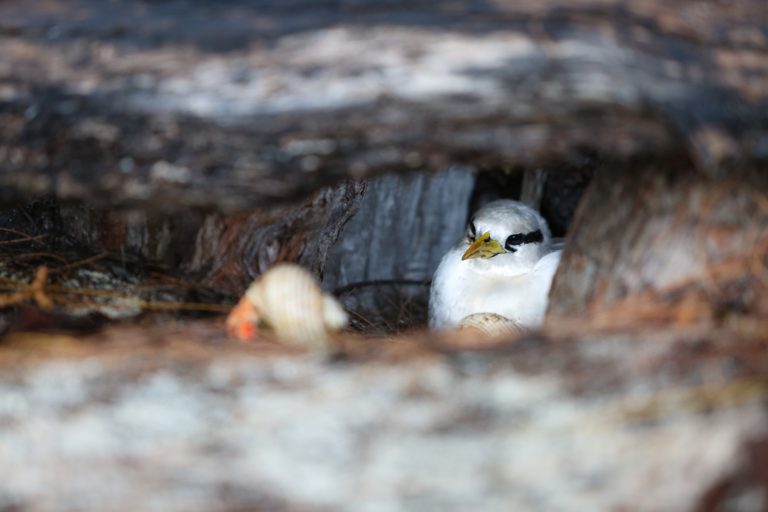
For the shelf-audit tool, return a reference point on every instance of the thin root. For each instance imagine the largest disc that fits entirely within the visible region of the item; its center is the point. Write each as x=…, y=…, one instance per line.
x=35, y=291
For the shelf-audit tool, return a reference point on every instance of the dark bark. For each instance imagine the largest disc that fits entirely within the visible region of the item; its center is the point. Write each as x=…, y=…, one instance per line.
x=383, y=263
x=232, y=250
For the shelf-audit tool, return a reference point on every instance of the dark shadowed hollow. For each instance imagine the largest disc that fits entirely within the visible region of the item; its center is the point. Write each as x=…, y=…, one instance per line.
x=377, y=249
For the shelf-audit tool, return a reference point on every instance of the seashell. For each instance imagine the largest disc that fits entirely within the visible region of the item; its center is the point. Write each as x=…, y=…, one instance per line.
x=288, y=299
x=490, y=324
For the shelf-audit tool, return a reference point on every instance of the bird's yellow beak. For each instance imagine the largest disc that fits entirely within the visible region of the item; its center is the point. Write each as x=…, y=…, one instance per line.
x=483, y=247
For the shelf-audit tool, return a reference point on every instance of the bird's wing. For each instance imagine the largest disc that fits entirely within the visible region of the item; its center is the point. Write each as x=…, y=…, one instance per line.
x=547, y=265
x=447, y=291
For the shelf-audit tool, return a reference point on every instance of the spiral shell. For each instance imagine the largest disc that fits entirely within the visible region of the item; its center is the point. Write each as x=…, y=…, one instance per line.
x=288, y=299
x=490, y=324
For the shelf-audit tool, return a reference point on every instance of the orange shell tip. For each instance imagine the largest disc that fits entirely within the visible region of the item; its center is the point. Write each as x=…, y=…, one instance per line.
x=245, y=331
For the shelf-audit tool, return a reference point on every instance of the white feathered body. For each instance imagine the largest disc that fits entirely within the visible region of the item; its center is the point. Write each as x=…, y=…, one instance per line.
x=507, y=268
x=460, y=289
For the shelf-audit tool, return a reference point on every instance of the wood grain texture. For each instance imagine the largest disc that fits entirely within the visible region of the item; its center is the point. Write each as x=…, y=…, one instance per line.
x=668, y=245
x=128, y=103
x=172, y=418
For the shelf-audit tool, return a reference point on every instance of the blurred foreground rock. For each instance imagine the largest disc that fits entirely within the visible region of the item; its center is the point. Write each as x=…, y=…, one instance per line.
x=145, y=419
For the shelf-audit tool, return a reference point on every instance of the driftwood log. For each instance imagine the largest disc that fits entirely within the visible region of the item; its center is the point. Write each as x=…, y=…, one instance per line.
x=656, y=244
x=171, y=418
x=208, y=141
x=128, y=103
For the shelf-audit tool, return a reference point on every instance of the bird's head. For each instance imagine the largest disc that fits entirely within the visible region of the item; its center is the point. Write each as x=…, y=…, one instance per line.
x=506, y=237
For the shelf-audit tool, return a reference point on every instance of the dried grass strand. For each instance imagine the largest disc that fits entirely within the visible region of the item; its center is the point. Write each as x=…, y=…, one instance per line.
x=79, y=263
x=23, y=236
x=23, y=292
x=36, y=238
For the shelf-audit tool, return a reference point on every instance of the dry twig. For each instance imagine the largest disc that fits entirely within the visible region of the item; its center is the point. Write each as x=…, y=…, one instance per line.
x=35, y=291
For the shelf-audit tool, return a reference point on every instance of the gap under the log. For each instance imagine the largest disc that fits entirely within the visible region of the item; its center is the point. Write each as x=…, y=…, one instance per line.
x=375, y=244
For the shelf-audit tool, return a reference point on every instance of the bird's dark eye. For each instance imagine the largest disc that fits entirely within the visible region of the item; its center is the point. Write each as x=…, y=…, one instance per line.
x=516, y=239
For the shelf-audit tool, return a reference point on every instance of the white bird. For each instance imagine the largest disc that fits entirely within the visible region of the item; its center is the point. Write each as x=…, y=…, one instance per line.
x=504, y=265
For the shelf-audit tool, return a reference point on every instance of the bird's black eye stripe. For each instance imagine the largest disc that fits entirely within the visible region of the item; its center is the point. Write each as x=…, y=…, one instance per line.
x=533, y=237
x=523, y=238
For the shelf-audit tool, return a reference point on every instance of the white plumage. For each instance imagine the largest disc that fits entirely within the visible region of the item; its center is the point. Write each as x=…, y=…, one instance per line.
x=504, y=265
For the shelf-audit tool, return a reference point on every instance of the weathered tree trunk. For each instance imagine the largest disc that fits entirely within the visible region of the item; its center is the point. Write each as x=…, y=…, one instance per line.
x=170, y=418
x=126, y=104
x=666, y=244
x=232, y=250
